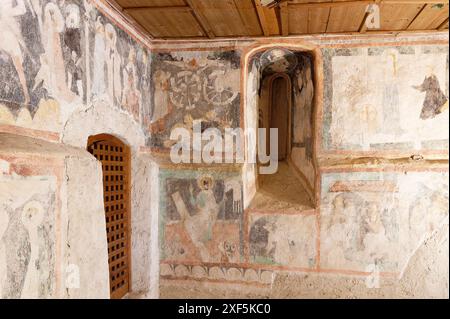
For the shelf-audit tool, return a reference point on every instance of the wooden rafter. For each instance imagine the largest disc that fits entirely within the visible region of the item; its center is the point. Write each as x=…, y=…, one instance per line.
x=416, y=16
x=201, y=19
x=262, y=17
x=443, y=25
x=363, y=25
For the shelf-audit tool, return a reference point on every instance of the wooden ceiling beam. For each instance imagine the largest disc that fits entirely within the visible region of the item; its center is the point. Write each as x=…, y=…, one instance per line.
x=416, y=16
x=363, y=26
x=201, y=19
x=443, y=25
x=297, y=5
x=284, y=14
x=261, y=17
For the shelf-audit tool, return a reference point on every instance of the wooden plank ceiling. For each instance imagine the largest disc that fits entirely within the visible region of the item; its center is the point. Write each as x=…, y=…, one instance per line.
x=193, y=19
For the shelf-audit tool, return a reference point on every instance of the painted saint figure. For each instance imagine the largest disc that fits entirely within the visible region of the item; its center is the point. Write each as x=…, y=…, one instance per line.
x=98, y=81
x=52, y=72
x=74, y=74
x=12, y=42
x=435, y=100
x=131, y=97
x=72, y=42
x=113, y=65
x=162, y=85
x=199, y=226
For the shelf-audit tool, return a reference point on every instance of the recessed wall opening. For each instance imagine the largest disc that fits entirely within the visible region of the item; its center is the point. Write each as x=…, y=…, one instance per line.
x=285, y=98
x=114, y=156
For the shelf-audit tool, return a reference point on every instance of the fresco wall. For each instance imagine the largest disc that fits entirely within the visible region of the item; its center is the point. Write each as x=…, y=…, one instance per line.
x=193, y=85
x=372, y=214
x=375, y=101
x=58, y=57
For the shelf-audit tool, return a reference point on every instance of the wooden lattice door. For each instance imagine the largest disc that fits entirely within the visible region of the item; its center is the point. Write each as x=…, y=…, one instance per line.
x=115, y=158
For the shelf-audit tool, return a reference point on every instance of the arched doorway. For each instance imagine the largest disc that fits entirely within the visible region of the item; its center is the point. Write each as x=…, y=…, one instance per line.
x=115, y=158
x=275, y=111
x=279, y=112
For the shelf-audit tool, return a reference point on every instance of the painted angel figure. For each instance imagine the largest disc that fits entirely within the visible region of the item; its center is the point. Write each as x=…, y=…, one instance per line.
x=435, y=100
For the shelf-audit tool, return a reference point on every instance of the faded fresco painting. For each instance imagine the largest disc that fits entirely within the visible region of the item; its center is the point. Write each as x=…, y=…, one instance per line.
x=119, y=68
x=286, y=240
x=27, y=238
x=374, y=100
x=376, y=218
x=56, y=56
x=190, y=86
x=201, y=216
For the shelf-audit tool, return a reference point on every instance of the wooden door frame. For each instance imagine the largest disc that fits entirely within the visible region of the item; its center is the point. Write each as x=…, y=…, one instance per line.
x=108, y=137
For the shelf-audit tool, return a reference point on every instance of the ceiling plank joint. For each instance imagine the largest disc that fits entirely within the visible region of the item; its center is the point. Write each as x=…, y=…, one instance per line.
x=203, y=22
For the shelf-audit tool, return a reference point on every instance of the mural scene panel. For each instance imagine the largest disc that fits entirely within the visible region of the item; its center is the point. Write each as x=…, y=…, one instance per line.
x=59, y=56
x=376, y=218
x=381, y=103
